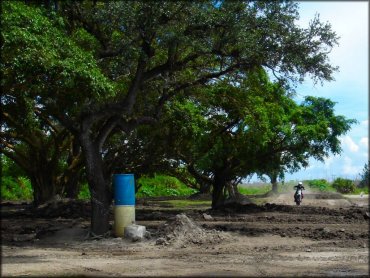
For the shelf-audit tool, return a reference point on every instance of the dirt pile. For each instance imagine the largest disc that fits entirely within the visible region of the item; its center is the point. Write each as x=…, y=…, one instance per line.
x=182, y=231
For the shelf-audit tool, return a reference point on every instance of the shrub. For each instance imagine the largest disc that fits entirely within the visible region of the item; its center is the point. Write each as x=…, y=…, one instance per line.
x=320, y=184
x=14, y=184
x=84, y=193
x=16, y=188
x=364, y=182
x=161, y=185
x=344, y=186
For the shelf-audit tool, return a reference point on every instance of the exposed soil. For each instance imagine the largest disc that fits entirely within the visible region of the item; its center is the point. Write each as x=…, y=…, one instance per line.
x=328, y=235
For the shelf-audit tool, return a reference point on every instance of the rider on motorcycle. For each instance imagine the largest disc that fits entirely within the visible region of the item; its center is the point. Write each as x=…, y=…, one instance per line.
x=298, y=187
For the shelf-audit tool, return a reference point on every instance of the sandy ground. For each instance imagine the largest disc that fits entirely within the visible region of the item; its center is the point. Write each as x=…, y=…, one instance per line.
x=327, y=235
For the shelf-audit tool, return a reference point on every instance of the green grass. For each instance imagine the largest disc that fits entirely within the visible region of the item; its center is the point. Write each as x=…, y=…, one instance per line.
x=254, y=190
x=364, y=190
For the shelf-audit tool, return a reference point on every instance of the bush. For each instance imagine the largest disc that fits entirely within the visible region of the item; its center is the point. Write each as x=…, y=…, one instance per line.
x=320, y=184
x=14, y=184
x=84, y=193
x=16, y=188
x=364, y=182
x=161, y=185
x=344, y=186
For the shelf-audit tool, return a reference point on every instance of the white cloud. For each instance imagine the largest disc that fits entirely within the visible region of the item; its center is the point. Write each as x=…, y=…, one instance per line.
x=348, y=168
x=329, y=161
x=348, y=143
x=353, y=32
x=365, y=123
x=364, y=141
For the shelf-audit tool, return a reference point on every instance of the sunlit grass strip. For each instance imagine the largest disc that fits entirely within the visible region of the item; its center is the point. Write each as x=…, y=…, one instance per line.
x=254, y=190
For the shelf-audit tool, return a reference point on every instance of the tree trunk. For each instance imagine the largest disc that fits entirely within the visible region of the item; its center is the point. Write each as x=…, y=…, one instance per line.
x=71, y=185
x=232, y=190
x=101, y=197
x=44, y=188
x=274, y=184
x=100, y=204
x=217, y=194
x=204, y=188
x=71, y=176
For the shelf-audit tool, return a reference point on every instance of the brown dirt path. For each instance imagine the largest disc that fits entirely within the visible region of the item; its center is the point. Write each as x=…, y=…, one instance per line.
x=323, y=237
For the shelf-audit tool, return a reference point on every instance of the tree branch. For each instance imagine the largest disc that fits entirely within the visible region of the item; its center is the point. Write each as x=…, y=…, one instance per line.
x=105, y=131
x=169, y=66
x=16, y=157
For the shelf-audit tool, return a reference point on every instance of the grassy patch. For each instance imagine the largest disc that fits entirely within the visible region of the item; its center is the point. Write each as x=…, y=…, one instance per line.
x=254, y=190
x=364, y=190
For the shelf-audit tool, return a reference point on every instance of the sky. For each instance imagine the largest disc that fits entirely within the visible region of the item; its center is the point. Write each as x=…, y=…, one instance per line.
x=350, y=90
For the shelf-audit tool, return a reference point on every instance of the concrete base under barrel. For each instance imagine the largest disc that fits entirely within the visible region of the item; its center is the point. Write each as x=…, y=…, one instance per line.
x=123, y=217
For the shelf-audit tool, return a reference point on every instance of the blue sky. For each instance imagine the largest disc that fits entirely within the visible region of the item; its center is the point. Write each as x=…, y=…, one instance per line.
x=350, y=20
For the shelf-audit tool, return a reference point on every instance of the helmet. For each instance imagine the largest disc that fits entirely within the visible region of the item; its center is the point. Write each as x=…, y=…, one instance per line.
x=300, y=183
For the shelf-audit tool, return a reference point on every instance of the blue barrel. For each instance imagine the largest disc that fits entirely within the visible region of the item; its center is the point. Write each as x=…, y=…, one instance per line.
x=124, y=202
x=124, y=189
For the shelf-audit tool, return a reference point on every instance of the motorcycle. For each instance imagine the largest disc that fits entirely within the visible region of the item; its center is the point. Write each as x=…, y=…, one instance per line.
x=298, y=197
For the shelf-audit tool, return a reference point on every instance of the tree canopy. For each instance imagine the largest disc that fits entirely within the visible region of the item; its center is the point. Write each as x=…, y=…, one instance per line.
x=226, y=132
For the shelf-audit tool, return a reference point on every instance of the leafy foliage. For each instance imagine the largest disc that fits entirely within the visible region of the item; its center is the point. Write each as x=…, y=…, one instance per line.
x=16, y=188
x=161, y=185
x=308, y=130
x=46, y=76
x=84, y=193
x=321, y=184
x=364, y=182
x=344, y=186
x=14, y=185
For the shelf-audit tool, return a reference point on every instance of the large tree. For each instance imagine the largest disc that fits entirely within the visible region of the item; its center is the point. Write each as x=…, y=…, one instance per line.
x=226, y=132
x=308, y=130
x=46, y=152
x=221, y=131
x=155, y=50
x=37, y=64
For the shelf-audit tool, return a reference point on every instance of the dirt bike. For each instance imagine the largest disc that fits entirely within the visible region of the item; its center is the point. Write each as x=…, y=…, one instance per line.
x=298, y=197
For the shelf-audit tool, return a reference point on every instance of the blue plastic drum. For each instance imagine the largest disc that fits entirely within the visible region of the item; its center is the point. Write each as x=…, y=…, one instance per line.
x=124, y=202
x=124, y=189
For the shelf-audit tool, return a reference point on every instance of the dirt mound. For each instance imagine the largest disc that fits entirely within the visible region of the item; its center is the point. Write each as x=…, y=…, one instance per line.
x=324, y=196
x=355, y=213
x=182, y=231
x=240, y=208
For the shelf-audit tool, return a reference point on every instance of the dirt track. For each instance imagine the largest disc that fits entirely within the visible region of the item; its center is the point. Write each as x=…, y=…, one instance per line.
x=326, y=236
